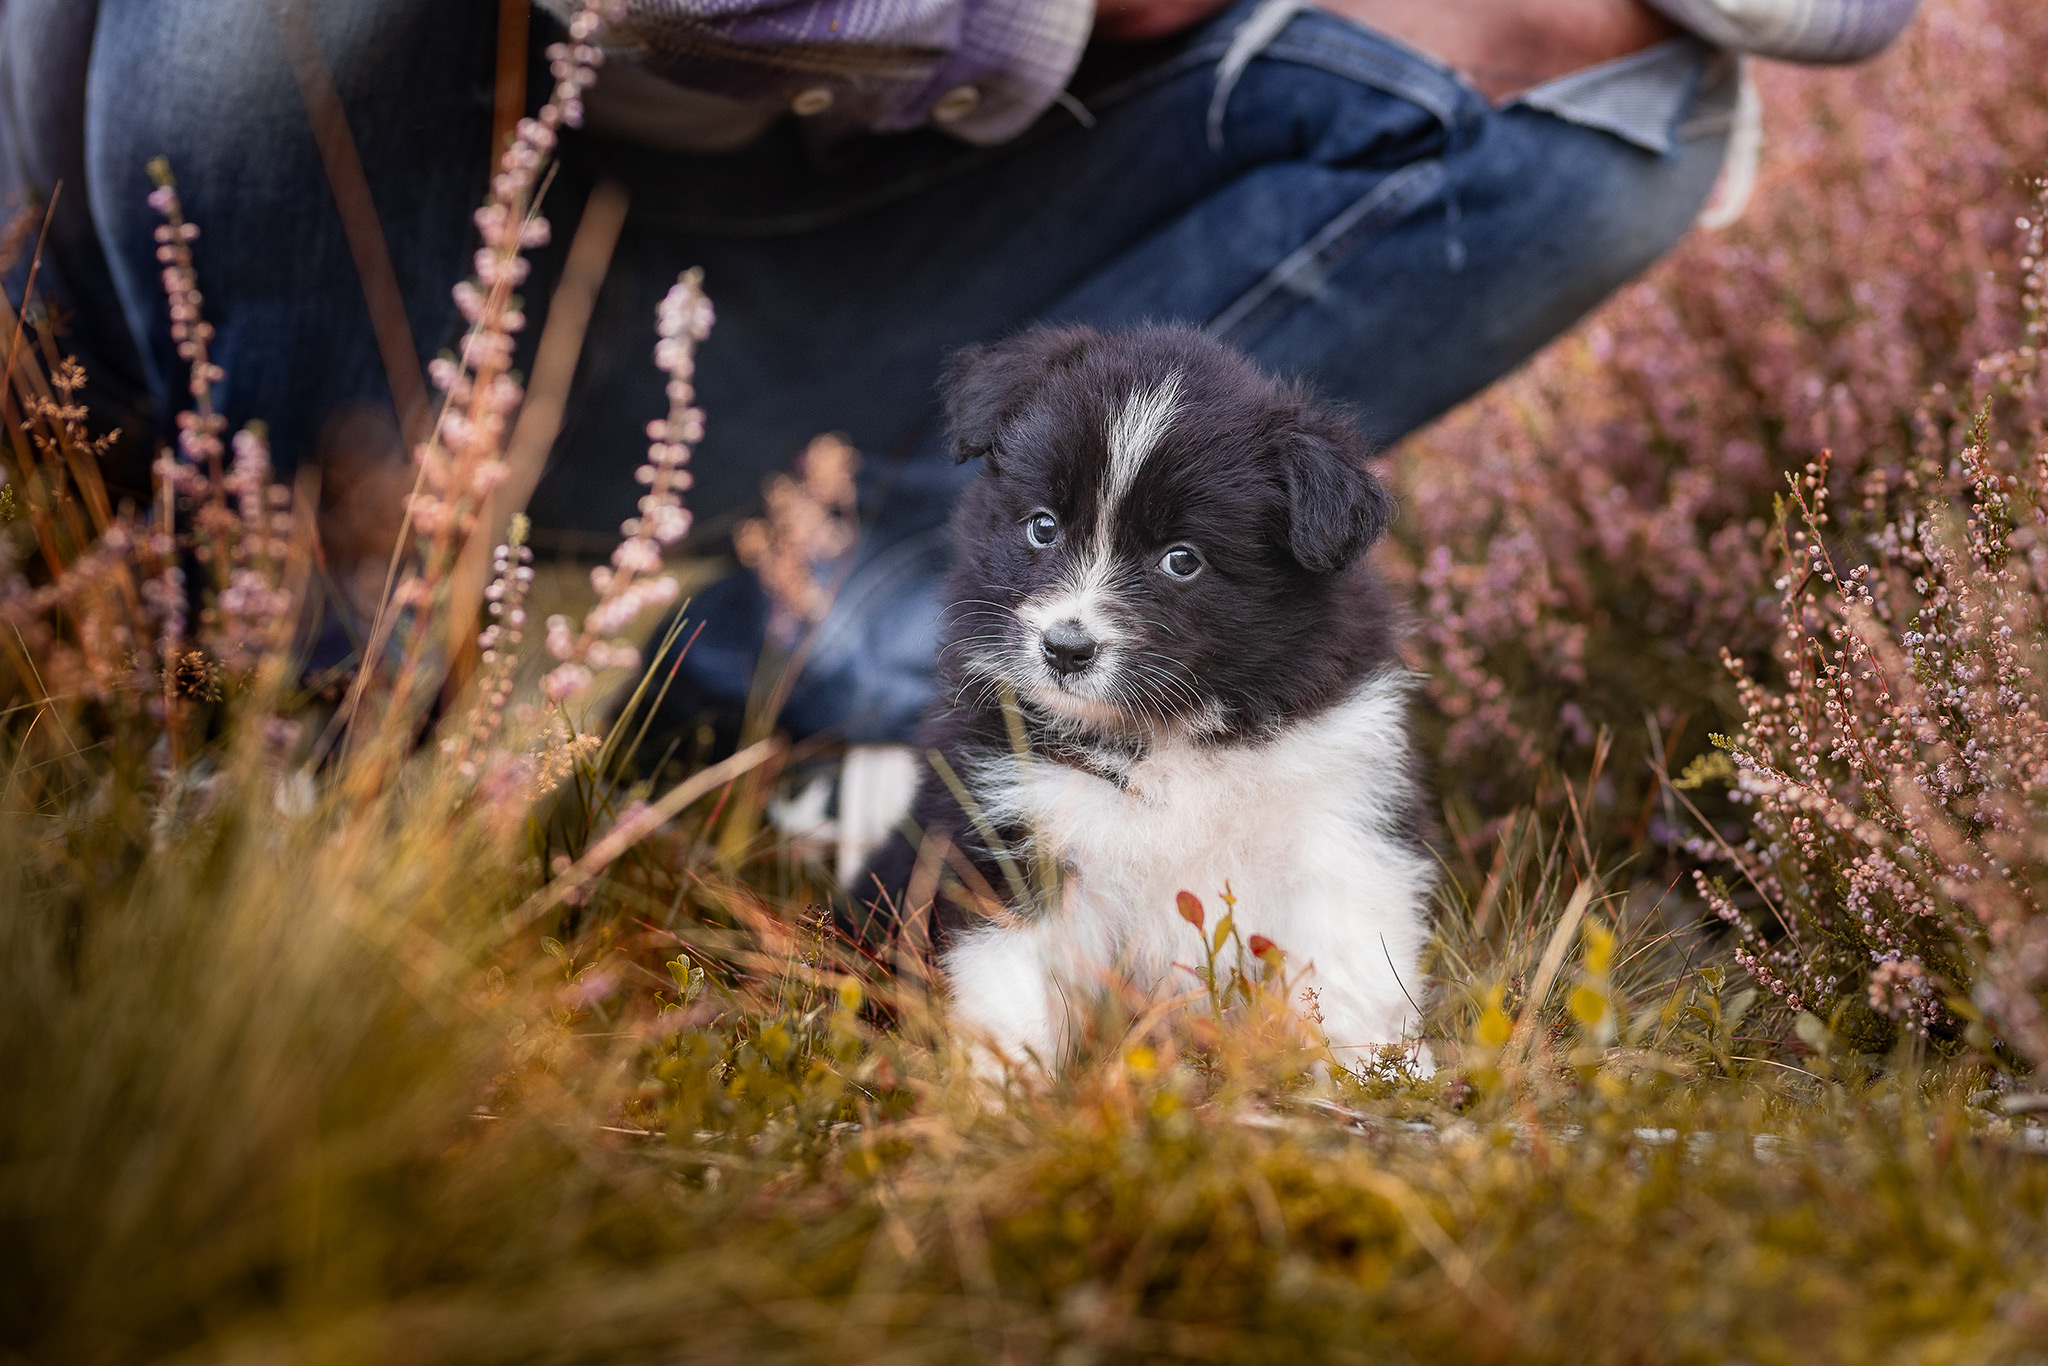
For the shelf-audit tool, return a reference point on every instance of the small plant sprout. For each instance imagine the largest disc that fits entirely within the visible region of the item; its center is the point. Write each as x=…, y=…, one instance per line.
x=1248, y=980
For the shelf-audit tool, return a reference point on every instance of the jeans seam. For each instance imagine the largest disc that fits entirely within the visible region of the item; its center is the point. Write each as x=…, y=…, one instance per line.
x=1353, y=52
x=1395, y=75
x=1388, y=201
x=1260, y=30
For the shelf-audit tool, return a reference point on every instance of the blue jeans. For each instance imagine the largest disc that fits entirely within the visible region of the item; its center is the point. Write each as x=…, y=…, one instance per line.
x=1349, y=212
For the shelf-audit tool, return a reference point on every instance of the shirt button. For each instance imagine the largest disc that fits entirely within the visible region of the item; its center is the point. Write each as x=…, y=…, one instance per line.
x=816, y=100
x=955, y=104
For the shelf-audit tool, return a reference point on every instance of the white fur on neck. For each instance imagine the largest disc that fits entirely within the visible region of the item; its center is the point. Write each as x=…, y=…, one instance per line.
x=1304, y=825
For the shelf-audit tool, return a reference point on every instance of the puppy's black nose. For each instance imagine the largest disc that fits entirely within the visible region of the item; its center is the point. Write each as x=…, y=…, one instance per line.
x=1067, y=647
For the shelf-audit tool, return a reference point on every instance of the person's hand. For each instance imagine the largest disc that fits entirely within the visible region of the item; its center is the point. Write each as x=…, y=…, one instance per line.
x=1503, y=47
x=1506, y=46
x=1137, y=21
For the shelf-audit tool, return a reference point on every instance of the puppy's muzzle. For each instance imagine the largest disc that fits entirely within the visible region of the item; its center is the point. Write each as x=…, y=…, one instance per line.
x=1067, y=647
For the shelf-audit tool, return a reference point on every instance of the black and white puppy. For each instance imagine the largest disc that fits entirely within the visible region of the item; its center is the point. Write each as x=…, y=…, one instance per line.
x=1166, y=666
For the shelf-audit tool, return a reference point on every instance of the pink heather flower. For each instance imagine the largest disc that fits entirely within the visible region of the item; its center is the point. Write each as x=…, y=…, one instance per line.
x=199, y=430
x=241, y=521
x=1895, y=776
x=505, y=604
x=462, y=461
x=1582, y=534
x=632, y=583
x=810, y=525
x=566, y=682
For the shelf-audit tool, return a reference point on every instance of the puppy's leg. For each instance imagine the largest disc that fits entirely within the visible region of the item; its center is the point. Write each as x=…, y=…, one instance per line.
x=1367, y=977
x=877, y=895
x=1003, y=991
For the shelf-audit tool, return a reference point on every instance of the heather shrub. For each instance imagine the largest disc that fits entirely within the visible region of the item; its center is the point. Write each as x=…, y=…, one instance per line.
x=1897, y=778
x=1587, y=537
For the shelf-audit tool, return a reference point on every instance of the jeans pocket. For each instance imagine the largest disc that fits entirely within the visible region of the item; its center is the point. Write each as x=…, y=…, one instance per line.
x=1306, y=34
x=1303, y=270
x=1418, y=173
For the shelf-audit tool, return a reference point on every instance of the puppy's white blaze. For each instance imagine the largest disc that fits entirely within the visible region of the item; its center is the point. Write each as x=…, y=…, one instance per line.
x=1305, y=826
x=1086, y=595
x=1133, y=433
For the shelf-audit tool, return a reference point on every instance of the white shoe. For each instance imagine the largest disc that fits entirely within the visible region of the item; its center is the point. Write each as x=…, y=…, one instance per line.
x=876, y=786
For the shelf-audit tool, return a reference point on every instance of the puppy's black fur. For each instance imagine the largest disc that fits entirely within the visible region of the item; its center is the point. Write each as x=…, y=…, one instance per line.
x=1283, y=620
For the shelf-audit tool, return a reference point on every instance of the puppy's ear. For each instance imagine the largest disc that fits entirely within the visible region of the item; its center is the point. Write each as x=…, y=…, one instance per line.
x=1335, y=507
x=984, y=386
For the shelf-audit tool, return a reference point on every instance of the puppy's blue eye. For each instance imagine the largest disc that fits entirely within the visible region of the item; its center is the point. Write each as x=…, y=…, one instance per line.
x=1042, y=529
x=1181, y=562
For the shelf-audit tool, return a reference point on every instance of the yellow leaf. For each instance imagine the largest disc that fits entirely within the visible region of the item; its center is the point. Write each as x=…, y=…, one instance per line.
x=1599, y=948
x=1588, y=1006
x=1493, y=1027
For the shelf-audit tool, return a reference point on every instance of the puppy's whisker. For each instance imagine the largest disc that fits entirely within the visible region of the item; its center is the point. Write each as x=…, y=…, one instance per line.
x=1149, y=621
x=984, y=608
x=1179, y=674
x=1169, y=687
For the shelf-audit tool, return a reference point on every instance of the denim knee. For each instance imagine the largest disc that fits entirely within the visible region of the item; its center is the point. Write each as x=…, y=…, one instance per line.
x=210, y=85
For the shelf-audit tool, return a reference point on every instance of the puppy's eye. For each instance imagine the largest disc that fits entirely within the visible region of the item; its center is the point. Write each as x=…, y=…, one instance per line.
x=1181, y=562
x=1042, y=529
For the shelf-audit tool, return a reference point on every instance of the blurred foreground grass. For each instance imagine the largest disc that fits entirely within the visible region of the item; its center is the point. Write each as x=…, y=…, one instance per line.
x=288, y=1085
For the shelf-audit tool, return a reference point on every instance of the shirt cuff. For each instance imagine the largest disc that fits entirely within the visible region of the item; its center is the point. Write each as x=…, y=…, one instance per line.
x=1817, y=31
x=1011, y=61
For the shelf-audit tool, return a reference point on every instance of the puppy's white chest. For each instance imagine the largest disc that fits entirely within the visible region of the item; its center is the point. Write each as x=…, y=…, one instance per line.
x=1299, y=827
x=1303, y=828
x=1182, y=820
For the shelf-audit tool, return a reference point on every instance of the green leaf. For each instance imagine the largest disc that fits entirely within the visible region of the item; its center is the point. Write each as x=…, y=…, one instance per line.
x=1739, y=1007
